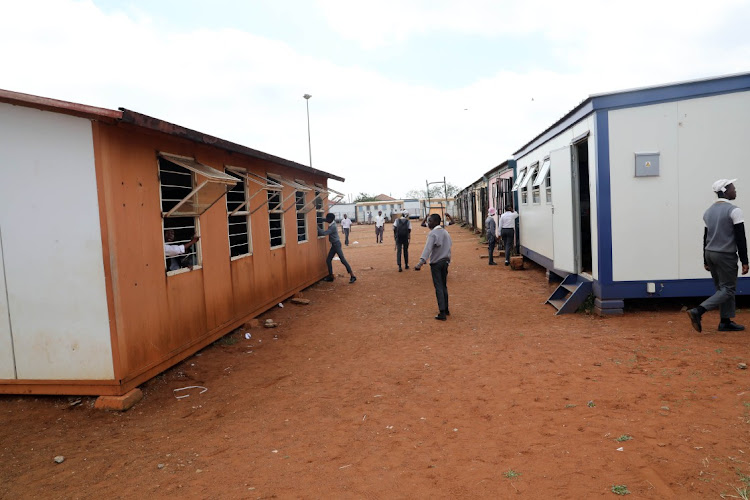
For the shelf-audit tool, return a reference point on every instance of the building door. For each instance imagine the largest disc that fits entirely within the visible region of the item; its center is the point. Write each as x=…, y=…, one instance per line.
x=7, y=359
x=564, y=235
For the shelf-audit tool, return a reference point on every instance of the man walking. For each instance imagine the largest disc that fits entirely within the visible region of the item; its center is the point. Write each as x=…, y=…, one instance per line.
x=402, y=235
x=508, y=231
x=438, y=251
x=333, y=237
x=491, y=228
x=723, y=240
x=346, y=225
x=379, y=227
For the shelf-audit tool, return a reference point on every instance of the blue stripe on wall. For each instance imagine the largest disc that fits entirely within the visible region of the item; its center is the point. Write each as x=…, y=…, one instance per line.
x=603, y=199
x=669, y=288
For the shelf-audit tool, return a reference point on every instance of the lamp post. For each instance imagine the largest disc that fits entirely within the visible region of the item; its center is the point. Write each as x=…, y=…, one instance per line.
x=309, y=144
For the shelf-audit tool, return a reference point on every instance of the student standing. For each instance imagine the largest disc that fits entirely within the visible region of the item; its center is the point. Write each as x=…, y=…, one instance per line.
x=402, y=235
x=723, y=241
x=438, y=251
x=379, y=227
x=346, y=225
x=333, y=237
x=508, y=231
x=490, y=232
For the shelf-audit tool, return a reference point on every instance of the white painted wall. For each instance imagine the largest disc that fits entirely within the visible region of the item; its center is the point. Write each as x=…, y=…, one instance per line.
x=536, y=219
x=657, y=225
x=7, y=360
x=52, y=247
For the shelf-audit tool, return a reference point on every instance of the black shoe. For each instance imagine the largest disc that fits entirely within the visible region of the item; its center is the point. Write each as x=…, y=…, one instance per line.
x=352, y=279
x=447, y=312
x=695, y=319
x=328, y=278
x=507, y=263
x=493, y=263
x=441, y=317
x=399, y=268
x=730, y=327
x=407, y=266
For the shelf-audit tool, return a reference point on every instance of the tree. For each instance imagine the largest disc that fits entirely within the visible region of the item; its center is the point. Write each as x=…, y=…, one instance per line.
x=436, y=191
x=364, y=197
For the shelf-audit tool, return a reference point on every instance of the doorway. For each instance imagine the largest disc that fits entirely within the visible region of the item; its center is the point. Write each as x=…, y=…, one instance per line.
x=583, y=195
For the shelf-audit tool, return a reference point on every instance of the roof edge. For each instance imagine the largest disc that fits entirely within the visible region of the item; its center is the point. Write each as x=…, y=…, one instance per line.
x=151, y=123
x=47, y=104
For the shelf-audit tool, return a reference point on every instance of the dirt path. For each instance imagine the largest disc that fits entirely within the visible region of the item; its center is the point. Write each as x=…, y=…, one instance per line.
x=362, y=394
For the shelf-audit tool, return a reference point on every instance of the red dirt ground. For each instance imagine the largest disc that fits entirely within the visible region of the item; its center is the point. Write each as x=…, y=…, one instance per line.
x=362, y=394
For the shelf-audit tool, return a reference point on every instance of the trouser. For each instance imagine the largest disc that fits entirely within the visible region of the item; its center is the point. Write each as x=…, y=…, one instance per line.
x=405, y=247
x=507, y=234
x=491, y=242
x=336, y=250
x=723, y=266
x=379, y=234
x=439, y=272
x=346, y=236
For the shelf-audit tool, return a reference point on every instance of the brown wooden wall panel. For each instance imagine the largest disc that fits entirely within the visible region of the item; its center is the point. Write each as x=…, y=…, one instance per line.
x=158, y=315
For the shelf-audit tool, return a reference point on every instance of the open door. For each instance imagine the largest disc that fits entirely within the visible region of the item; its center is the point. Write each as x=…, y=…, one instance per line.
x=564, y=236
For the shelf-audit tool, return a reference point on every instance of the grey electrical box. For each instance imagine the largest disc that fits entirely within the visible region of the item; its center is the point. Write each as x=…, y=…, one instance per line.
x=646, y=164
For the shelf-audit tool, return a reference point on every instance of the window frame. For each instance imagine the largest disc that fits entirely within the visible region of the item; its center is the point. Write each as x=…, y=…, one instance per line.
x=524, y=185
x=211, y=176
x=273, y=213
x=299, y=203
x=242, y=210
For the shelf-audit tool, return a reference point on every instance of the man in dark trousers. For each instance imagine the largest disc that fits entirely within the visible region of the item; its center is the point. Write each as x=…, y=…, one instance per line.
x=491, y=230
x=438, y=251
x=508, y=231
x=402, y=235
x=723, y=240
x=333, y=237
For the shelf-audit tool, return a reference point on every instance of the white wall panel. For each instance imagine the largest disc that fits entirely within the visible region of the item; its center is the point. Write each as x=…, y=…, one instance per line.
x=645, y=210
x=536, y=219
x=714, y=133
x=7, y=362
x=52, y=246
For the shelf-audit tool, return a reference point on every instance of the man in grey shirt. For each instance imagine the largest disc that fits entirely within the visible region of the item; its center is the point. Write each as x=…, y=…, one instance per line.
x=723, y=240
x=438, y=251
x=333, y=237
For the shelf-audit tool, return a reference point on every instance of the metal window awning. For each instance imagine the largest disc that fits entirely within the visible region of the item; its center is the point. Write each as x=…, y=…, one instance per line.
x=292, y=184
x=543, y=172
x=265, y=184
x=202, y=197
x=337, y=197
x=529, y=174
x=520, y=177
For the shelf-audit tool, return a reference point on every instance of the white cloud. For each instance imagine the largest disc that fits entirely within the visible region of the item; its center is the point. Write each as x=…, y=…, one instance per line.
x=383, y=135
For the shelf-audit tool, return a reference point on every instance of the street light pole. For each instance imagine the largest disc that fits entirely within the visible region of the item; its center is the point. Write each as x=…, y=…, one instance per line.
x=309, y=144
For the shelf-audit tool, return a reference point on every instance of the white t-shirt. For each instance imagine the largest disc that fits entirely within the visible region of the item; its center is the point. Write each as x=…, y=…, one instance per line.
x=379, y=221
x=508, y=220
x=172, y=250
x=346, y=223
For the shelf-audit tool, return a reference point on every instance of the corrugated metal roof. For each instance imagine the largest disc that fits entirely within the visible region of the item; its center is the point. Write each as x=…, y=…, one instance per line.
x=144, y=121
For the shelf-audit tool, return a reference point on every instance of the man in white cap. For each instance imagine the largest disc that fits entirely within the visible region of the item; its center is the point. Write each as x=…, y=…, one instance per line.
x=491, y=230
x=723, y=240
x=402, y=235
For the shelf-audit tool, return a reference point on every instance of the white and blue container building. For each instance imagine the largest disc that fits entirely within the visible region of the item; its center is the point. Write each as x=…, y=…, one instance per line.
x=611, y=196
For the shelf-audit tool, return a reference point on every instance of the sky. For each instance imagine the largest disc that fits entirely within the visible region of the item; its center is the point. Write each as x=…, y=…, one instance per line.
x=404, y=92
